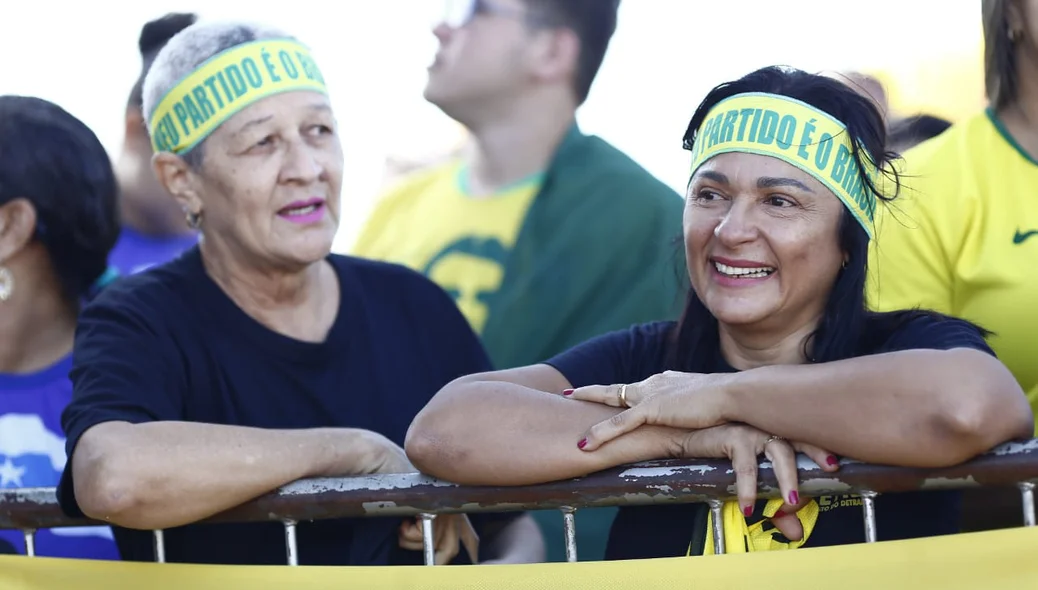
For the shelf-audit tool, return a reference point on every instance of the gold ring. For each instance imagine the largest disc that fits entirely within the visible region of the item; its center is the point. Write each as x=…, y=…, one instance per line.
x=623, y=396
x=772, y=439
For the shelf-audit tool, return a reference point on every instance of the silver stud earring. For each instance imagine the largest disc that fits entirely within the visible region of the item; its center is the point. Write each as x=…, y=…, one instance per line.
x=194, y=220
x=6, y=284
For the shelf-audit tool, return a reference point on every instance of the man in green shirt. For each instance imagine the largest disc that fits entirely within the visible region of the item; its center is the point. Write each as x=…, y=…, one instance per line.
x=543, y=235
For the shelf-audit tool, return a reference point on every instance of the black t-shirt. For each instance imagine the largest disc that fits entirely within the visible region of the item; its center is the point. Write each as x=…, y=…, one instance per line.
x=168, y=344
x=633, y=355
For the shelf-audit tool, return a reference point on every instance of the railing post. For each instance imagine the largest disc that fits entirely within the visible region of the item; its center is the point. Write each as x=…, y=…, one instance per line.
x=159, y=541
x=30, y=542
x=1027, y=498
x=718, y=526
x=428, y=540
x=868, y=506
x=569, y=525
x=291, y=548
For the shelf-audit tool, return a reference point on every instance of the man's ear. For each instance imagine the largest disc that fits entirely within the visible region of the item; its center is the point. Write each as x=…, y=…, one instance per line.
x=556, y=55
x=17, y=227
x=179, y=180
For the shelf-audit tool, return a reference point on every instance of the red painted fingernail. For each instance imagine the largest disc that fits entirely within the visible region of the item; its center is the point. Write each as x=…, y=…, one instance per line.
x=748, y=510
x=832, y=460
x=780, y=514
x=567, y=392
x=794, y=497
x=582, y=443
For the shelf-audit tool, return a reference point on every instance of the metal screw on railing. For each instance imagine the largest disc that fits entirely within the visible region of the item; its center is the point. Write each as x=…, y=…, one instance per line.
x=30, y=542
x=428, y=540
x=159, y=542
x=291, y=548
x=1027, y=497
x=569, y=525
x=868, y=506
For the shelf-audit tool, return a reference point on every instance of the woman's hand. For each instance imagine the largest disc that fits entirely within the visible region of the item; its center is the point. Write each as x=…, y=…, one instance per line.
x=679, y=400
x=450, y=533
x=742, y=445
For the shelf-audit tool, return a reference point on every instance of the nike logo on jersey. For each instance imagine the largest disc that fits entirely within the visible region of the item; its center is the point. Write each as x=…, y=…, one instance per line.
x=1019, y=238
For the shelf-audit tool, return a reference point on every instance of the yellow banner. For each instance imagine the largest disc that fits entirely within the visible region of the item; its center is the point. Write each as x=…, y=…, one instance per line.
x=794, y=132
x=226, y=84
x=999, y=559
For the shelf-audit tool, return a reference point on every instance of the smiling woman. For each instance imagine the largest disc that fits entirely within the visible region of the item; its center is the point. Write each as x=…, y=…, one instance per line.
x=776, y=352
x=257, y=358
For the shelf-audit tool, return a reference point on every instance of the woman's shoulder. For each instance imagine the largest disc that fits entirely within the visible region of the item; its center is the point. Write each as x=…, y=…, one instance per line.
x=152, y=293
x=920, y=329
x=376, y=275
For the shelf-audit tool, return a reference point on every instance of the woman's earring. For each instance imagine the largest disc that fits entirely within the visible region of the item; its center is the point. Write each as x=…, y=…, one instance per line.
x=194, y=220
x=6, y=284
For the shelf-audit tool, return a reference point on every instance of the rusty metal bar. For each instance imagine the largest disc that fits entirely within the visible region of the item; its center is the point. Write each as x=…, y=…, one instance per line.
x=868, y=508
x=30, y=542
x=658, y=482
x=1027, y=498
x=569, y=524
x=291, y=547
x=428, y=539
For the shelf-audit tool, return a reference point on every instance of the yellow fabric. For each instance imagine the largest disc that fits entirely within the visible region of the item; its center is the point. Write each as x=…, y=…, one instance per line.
x=740, y=537
x=226, y=84
x=989, y=560
x=794, y=132
x=430, y=224
x=960, y=240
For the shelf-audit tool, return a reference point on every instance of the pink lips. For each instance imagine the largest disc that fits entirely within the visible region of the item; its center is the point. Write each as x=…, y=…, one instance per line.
x=303, y=212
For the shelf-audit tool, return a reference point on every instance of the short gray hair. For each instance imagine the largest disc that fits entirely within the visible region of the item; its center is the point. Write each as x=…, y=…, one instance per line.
x=189, y=49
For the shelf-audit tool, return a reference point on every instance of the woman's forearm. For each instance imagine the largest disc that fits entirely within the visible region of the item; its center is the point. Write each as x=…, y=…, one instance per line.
x=925, y=408
x=165, y=474
x=514, y=435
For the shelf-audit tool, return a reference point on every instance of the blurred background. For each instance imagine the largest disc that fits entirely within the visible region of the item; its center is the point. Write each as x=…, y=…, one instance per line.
x=374, y=56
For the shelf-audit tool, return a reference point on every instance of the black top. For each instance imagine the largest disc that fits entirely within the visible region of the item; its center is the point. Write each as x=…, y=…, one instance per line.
x=168, y=344
x=630, y=356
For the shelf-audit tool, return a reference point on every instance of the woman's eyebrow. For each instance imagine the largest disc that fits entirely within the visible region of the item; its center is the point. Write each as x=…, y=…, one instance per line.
x=773, y=182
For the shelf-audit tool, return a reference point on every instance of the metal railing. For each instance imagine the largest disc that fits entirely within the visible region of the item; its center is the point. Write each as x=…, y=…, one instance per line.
x=650, y=483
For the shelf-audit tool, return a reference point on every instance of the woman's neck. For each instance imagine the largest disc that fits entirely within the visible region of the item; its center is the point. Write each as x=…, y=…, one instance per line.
x=299, y=303
x=37, y=324
x=1020, y=116
x=748, y=349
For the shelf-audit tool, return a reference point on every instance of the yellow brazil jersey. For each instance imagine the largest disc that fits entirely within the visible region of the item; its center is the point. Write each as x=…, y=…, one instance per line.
x=963, y=240
x=430, y=223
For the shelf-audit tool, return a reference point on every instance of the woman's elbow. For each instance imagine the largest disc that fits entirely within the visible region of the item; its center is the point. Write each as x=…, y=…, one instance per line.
x=105, y=489
x=990, y=407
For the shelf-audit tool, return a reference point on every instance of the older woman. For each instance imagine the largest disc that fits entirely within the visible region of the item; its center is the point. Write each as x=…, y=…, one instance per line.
x=257, y=358
x=58, y=222
x=775, y=353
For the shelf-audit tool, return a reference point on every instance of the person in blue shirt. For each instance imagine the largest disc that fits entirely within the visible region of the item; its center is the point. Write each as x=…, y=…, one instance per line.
x=776, y=353
x=154, y=228
x=258, y=358
x=58, y=222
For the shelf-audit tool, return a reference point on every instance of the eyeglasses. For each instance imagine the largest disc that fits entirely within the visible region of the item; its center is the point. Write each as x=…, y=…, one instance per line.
x=459, y=13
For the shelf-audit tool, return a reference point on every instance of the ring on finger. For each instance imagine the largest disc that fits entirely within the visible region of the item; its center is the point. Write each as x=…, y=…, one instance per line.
x=622, y=396
x=772, y=439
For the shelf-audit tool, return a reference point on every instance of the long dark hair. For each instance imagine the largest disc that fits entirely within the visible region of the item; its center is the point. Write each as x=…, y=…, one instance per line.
x=695, y=343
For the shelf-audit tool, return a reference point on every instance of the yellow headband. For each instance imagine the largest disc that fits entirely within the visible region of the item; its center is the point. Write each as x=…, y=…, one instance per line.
x=794, y=132
x=226, y=84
